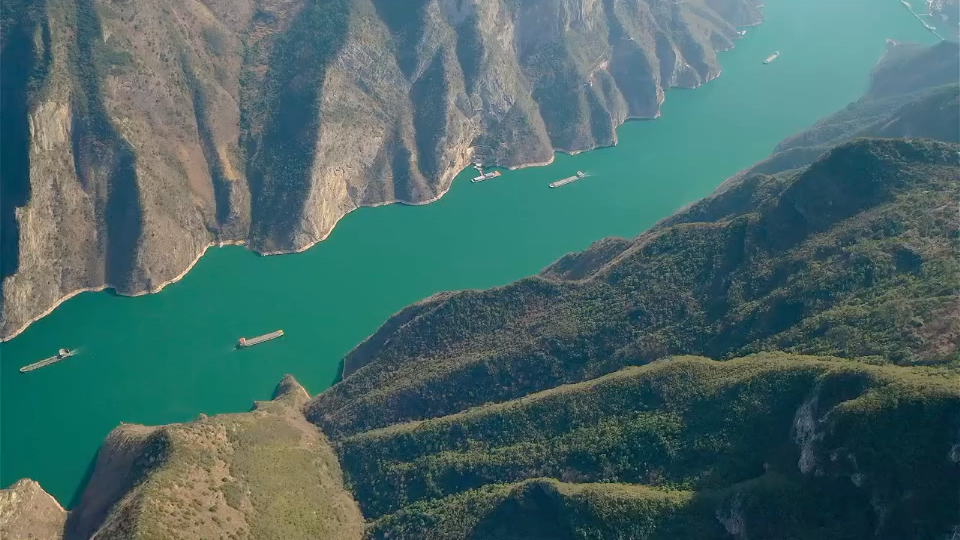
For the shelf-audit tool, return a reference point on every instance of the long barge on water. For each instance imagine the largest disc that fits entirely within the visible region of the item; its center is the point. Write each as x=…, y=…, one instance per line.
x=244, y=342
x=62, y=354
x=486, y=176
x=567, y=180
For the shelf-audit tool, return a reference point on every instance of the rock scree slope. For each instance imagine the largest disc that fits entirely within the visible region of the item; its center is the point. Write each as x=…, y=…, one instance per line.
x=138, y=134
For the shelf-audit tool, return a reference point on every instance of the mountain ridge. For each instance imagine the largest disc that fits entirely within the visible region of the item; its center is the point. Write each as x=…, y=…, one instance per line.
x=923, y=105
x=155, y=132
x=778, y=360
x=711, y=275
x=261, y=474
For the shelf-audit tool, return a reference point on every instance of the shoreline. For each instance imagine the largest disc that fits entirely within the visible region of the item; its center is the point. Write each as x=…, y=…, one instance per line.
x=345, y=214
x=22, y=328
x=449, y=184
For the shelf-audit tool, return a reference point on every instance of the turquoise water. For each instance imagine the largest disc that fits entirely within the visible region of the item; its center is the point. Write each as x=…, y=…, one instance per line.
x=168, y=357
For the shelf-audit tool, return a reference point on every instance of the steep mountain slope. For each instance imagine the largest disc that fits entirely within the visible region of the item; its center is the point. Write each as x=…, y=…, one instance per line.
x=566, y=405
x=449, y=414
x=768, y=446
x=262, y=474
x=447, y=417
x=913, y=93
x=772, y=445
x=909, y=67
x=143, y=132
x=850, y=257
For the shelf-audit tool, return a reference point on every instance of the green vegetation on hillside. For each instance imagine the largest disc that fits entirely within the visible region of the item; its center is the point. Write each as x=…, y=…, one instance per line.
x=821, y=425
x=914, y=93
x=908, y=67
x=540, y=409
x=549, y=510
x=265, y=474
x=851, y=257
x=779, y=360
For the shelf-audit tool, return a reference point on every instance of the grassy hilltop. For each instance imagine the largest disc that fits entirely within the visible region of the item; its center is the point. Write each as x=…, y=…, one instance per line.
x=257, y=475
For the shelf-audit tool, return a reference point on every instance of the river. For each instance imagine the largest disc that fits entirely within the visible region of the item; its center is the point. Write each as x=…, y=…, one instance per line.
x=168, y=357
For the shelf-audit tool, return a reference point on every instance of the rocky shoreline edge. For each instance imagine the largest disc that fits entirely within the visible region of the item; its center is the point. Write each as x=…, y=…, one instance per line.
x=447, y=184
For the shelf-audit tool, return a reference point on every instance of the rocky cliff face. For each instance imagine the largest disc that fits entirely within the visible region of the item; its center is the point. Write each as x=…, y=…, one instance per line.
x=564, y=406
x=141, y=133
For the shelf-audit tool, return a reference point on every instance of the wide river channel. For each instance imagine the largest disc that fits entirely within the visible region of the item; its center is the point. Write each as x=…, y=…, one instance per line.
x=169, y=356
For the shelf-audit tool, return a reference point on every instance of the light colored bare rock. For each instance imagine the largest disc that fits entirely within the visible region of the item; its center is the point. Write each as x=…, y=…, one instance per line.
x=29, y=512
x=159, y=129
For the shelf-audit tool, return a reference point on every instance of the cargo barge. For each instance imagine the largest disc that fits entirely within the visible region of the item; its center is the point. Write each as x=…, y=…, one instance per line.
x=772, y=57
x=244, y=342
x=487, y=176
x=567, y=180
x=62, y=354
